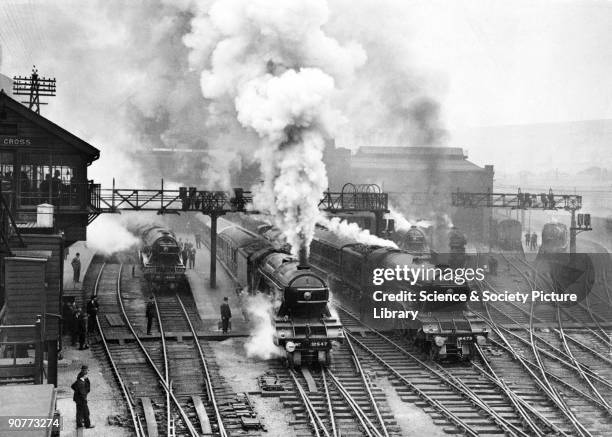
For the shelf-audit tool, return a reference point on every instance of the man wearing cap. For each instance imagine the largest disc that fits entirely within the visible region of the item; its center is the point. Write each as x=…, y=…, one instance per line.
x=226, y=315
x=150, y=314
x=81, y=389
x=92, y=312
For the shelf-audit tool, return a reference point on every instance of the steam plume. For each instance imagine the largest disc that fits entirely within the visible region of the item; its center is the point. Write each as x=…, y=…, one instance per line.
x=352, y=230
x=260, y=344
x=108, y=235
x=273, y=61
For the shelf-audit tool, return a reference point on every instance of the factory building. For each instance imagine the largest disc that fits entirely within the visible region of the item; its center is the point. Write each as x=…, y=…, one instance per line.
x=419, y=180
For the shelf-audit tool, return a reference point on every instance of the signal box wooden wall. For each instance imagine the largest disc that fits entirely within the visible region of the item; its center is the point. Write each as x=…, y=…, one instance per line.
x=40, y=162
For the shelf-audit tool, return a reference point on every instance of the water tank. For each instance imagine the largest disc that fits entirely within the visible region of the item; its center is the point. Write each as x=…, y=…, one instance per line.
x=44, y=216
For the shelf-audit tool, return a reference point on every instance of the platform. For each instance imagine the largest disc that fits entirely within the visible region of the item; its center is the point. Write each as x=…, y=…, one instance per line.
x=208, y=300
x=105, y=401
x=23, y=401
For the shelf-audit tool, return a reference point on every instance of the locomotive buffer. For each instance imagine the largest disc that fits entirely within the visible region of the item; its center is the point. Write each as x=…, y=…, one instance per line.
x=215, y=204
x=520, y=200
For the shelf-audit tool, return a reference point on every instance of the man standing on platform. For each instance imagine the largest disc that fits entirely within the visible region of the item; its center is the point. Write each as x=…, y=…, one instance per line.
x=198, y=240
x=81, y=388
x=76, y=268
x=82, y=329
x=150, y=314
x=226, y=315
x=92, y=311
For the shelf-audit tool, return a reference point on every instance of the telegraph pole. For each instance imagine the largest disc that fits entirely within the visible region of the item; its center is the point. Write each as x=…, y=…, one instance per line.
x=35, y=87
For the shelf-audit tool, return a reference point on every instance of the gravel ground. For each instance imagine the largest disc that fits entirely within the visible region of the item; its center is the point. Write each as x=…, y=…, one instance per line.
x=104, y=400
x=241, y=374
x=412, y=420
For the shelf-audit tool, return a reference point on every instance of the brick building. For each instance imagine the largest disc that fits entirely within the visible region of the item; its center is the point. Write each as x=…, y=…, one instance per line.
x=420, y=181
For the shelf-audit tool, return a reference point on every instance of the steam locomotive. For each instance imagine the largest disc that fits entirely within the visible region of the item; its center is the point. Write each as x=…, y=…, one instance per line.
x=444, y=330
x=508, y=234
x=303, y=323
x=160, y=257
x=557, y=268
x=418, y=241
x=554, y=238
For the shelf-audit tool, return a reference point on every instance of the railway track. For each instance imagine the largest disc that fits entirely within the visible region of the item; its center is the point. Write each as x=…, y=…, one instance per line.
x=462, y=399
x=141, y=368
x=340, y=400
x=558, y=363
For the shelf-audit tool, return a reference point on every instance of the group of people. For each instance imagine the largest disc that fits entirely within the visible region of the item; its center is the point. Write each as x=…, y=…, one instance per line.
x=188, y=252
x=78, y=323
x=531, y=241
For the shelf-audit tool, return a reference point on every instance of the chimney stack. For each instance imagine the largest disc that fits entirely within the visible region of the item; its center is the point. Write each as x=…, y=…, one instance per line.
x=303, y=258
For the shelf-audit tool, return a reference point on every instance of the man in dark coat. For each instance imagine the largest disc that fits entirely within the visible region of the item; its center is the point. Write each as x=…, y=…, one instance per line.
x=92, y=312
x=82, y=324
x=76, y=268
x=226, y=315
x=74, y=324
x=81, y=388
x=150, y=314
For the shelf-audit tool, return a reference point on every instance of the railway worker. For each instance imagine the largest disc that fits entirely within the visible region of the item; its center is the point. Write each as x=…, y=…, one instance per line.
x=81, y=388
x=150, y=313
x=192, y=255
x=185, y=255
x=74, y=324
x=527, y=240
x=92, y=311
x=226, y=315
x=493, y=266
x=534, y=241
x=82, y=329
x=76, y=268
x=198, y=240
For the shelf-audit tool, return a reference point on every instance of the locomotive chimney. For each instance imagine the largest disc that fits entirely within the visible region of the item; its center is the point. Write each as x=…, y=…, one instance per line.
x=303, y=258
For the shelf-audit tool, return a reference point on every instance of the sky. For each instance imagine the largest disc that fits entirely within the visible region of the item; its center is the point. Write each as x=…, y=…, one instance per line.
x=486, y=63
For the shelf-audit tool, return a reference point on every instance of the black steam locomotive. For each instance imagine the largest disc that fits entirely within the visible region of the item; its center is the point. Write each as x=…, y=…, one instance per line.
x=303, y=324
x=442, y=329
x=160, y=258
x=508, y=234
x=416, y=240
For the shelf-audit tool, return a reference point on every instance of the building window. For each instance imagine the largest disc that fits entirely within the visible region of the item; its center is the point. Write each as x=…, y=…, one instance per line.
x=6, y=170
x=55, y=184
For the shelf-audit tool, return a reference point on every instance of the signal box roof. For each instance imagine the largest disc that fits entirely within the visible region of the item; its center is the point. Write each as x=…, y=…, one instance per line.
x=13, y=115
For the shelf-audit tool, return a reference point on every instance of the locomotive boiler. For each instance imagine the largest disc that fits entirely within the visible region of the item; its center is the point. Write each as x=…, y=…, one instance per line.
x=304, y=326
x=160, y=257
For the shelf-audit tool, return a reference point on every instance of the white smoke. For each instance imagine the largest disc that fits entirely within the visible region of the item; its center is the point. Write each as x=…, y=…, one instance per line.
x=260, y=344
x=352, y=230
x=273, y=61
x=108, y=235
x=403, y=224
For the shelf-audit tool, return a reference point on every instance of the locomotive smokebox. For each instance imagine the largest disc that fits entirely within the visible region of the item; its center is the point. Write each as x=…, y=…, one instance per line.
x=303, y=258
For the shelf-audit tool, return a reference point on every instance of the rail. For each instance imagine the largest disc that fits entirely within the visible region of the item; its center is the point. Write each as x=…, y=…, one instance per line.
x=544, y=380
x=169, y=423
x=209, y=384
x=138, y=429
x=163, y=383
